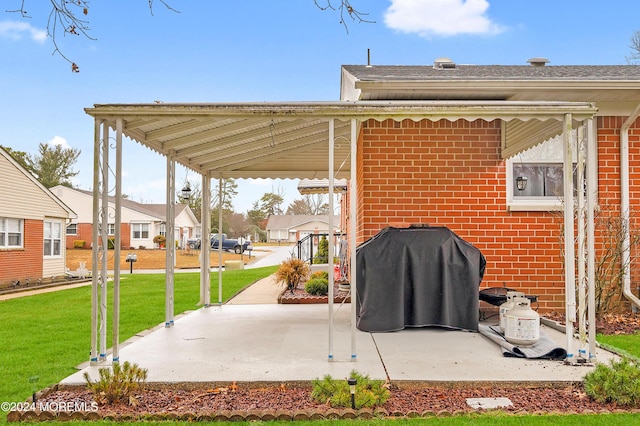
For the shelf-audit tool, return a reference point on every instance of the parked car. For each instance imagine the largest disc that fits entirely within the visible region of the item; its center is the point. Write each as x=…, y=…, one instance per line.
x=229, y=244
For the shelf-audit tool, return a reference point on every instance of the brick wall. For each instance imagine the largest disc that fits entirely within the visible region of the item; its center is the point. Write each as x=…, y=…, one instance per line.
x=84, y=232
x=24, y=263
x=450, y=174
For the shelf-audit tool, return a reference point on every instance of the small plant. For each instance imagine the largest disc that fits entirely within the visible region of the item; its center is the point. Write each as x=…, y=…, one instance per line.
x=117, y=385
x=322, y=256
x=320, y=274
x=78, y=244
x=617, y=382
x=160, y=240
x=317, y=286
x=291, y=272
x=369, y=393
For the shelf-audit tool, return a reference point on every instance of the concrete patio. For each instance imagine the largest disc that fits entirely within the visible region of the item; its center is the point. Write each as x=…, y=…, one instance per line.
x=283, y=343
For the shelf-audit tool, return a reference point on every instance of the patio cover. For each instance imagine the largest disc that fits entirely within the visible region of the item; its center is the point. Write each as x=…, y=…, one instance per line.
x=275, y=140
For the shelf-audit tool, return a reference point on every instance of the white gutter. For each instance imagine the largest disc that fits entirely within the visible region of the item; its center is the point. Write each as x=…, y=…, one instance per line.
x=624, y=204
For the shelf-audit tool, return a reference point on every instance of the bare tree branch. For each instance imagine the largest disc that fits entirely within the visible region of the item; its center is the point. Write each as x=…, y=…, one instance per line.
x=345, y=10
x=635, y=47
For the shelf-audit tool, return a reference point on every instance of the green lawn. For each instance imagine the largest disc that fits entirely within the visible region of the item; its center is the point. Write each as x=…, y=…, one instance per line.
x=623, y=344
x=48, y=335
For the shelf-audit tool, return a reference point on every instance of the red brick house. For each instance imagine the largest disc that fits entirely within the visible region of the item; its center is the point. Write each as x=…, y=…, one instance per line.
x=32, y=227
x=441, y=144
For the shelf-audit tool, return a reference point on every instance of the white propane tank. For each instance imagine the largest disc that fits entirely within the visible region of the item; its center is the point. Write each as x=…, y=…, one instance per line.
x=508, y=305
x=522, y=324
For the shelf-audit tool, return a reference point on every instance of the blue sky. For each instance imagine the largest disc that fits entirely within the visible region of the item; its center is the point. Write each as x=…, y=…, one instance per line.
x=257, y=50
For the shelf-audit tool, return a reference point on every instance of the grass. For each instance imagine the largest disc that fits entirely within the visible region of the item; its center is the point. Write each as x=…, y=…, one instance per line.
x=48, y=335
x=623, y=344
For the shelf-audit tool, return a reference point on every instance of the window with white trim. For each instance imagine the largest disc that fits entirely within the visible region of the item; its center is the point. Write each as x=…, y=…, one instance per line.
x=163, y=229
x=52, y=238
x=535, y=178
x=140, y=231
x=72, y=229
x=11, y=232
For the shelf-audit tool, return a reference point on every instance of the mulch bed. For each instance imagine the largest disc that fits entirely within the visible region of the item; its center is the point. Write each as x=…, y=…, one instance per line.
x=302, y=297
x=284, y=401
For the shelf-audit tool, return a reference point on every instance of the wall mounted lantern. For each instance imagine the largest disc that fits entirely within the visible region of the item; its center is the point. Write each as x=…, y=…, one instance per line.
x=521, y=183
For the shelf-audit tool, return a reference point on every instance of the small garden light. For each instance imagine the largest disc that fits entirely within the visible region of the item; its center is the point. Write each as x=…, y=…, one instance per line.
x=352, y=388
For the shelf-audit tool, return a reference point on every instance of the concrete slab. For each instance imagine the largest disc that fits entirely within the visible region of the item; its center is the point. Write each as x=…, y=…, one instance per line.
x=280, y=343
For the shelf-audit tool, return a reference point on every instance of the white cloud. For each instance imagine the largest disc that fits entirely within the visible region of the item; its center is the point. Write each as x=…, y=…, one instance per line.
x=441, y=17
x=15, y=30
x=58, y=140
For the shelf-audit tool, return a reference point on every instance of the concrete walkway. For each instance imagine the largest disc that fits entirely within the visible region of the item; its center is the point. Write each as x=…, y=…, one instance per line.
x=264, y=291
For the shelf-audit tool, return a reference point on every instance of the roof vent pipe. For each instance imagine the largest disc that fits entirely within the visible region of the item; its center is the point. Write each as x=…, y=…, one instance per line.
x=538, y=62
x=443, y=63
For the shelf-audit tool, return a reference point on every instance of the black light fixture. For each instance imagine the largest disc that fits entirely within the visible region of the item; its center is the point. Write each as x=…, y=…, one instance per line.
x=352, y=389
x=185, y=193
x=521, y=183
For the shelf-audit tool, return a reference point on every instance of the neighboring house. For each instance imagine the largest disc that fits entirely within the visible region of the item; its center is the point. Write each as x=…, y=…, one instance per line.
x=32, y=227
x=140, y=222
x=292, y=228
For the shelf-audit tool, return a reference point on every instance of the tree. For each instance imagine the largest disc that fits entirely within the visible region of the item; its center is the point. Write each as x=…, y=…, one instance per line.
x=53, y=165
x=256, y=216
x=229, y=191
x=270, y=203
x=309, y=205
x=635, y=47
x=20, y=156
x=69, y=17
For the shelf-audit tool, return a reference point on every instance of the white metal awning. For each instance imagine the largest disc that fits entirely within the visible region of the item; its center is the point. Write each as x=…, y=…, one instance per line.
x=289, y=140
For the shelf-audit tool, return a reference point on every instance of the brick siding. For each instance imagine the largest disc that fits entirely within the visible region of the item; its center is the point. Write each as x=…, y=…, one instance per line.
x=450, y=174
x=20, y=264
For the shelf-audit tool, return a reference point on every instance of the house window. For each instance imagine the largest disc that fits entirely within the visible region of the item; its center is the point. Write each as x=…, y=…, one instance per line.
x=72, y=229
x=542, y=166
x=52, y=238
x=111, y=228
x=163, y=229
x=140, y=230
x=11, y=231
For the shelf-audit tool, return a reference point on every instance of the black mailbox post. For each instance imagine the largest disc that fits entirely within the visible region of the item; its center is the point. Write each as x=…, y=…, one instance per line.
x=130, y=259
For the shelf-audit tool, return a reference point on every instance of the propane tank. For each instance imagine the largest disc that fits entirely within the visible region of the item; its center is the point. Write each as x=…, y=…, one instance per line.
x=522, y=324
x=508, y=305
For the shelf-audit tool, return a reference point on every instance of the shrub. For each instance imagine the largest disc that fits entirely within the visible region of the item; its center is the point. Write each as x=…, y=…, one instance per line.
x=320, y=274
x=78, y=244
x=317, y=286
x=117, y=385
x=617, y=382
x=160, y=240
x=369, y=393
x=111, y=243
x=322, y=256
x=291, y=272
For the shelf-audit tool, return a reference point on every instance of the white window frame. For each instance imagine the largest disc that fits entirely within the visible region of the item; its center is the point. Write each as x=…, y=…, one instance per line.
x=535, y=155
x=52, y=232
x=74, y=227
x=6, y=231
x=139, y=228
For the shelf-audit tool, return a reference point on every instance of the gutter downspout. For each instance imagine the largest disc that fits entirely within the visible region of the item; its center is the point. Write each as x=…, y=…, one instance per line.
x=624, y=204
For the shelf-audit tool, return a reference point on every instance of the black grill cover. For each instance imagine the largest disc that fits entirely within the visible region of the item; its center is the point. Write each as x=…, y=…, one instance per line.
x=416, y=277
